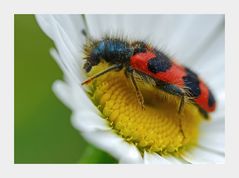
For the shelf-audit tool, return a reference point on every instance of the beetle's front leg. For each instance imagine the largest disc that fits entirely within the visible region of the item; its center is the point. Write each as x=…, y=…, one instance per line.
x=130, y=73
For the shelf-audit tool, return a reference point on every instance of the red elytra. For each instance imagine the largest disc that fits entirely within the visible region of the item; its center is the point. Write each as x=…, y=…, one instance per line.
x=174, y=75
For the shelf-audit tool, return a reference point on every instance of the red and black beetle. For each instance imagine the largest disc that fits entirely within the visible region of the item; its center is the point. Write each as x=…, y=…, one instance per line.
x=140, y=58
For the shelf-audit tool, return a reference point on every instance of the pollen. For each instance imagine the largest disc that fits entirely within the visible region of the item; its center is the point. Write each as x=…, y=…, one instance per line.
x=156, y=128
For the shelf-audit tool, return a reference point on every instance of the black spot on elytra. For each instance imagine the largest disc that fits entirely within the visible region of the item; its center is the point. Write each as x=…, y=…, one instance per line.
x=160, y=63
x=192, y=82
x=211, y=99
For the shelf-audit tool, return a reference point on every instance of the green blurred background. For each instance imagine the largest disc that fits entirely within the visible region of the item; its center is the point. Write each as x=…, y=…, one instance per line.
x=43, y=131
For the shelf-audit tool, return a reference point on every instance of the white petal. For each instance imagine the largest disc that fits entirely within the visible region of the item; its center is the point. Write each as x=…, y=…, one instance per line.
x=87, y=121
x=199, y=155
x=72, y=25
x=154, y=158
x=63, y=45
x=213, y=141
x=81, y=100
x=191, y=36
x=44, y=22
x=63, y=92
x=212, y=136
x=69, y=52
x=220, y=99
x=114, y=145
x=74, y=97
x=210, y=63
x=175, y=160
x=100, y=25
x=131, y=155
x=62, y=65
x=182, y=34
x=219, y=114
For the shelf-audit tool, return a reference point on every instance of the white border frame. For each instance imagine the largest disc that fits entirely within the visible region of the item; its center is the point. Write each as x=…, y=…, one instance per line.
x=7, y=10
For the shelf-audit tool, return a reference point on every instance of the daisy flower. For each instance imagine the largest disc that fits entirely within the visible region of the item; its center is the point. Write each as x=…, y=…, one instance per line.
x=107, y=113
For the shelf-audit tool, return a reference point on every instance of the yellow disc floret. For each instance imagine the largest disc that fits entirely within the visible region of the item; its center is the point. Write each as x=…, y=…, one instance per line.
x=158, y=128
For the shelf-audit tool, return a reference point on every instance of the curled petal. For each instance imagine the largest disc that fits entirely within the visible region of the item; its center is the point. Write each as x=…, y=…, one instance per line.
x=115, y=145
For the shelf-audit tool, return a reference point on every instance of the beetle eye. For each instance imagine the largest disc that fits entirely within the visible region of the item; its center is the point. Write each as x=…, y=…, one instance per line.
x=87, y=67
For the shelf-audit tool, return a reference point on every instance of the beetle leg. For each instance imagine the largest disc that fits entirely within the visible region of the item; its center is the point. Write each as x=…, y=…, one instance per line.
x=174, y=90
x=131, y=74
x=181, y=104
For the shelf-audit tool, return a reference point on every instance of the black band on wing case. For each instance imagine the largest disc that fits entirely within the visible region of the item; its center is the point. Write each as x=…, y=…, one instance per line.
x=191, y=81
x=211, y=99
x=159, y=64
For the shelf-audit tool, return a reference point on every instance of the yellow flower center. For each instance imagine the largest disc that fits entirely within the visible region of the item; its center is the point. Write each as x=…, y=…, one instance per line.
x=158, y=128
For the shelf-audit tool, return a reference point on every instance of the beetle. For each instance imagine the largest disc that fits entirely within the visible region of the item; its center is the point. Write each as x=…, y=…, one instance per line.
x=153, y=66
